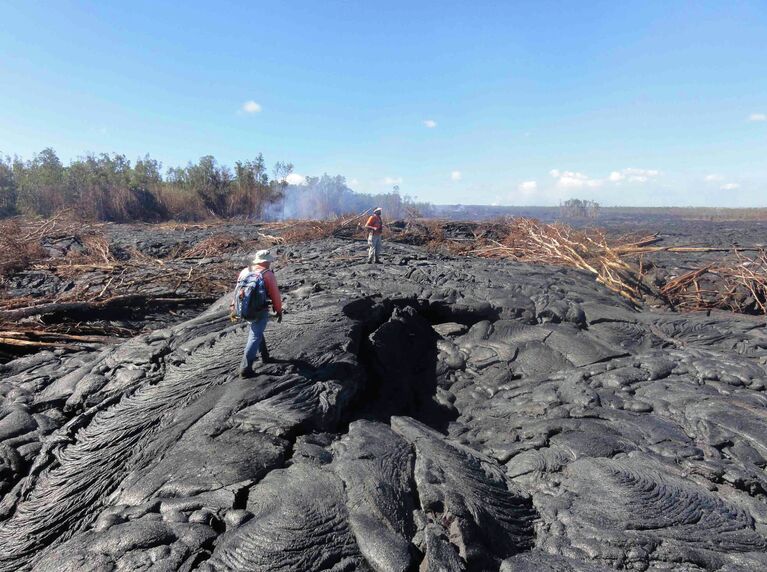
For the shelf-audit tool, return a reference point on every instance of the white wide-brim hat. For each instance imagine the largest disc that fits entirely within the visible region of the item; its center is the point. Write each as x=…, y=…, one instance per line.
x=262, y=256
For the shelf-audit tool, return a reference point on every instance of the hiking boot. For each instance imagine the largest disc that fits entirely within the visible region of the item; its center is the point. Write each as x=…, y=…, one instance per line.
x=246, y=373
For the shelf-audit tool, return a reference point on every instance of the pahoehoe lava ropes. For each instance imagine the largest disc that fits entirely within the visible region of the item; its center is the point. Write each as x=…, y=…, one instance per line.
x=434, y=413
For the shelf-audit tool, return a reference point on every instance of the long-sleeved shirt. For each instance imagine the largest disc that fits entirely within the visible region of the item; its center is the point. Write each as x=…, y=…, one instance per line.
x=270, y=282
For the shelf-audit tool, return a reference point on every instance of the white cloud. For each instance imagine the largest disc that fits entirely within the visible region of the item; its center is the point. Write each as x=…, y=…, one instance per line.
x=616, y=176
x=456, y=175
x=393, y=181
x=758, y=117
x=528, y=187
x=633, y=175
x=251, y=107
x=295, y=179
x=354, y=183
x=573, y=180
x=577, y=180
x=730, y=186
x=430, y=123
x=713, y=178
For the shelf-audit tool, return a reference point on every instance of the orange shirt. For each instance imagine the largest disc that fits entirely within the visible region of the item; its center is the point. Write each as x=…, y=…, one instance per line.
x=377, y=224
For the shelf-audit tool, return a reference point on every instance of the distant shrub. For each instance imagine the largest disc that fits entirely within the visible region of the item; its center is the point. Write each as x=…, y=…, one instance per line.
x=577, y=208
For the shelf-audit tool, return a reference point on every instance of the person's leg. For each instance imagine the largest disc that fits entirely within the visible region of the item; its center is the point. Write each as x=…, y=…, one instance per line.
x=377, y=245
x=263, y=350
x=258, y=332
x=255, y=336
x=249, y=355
x=371, y=248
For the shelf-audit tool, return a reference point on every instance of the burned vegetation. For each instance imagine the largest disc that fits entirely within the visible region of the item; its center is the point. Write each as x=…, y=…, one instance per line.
x=506, y=396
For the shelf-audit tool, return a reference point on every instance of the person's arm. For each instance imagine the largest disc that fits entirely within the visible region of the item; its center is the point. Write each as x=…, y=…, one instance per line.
x=270, y=282
x=369, y=224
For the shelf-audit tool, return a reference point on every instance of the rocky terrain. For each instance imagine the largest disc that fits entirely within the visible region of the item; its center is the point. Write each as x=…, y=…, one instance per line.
x=433, y=413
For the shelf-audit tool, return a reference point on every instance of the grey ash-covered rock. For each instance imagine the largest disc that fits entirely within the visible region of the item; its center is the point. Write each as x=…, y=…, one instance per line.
x=428, y=414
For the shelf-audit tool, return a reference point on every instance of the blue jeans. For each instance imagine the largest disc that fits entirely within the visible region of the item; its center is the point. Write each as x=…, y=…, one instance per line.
x=255, y=337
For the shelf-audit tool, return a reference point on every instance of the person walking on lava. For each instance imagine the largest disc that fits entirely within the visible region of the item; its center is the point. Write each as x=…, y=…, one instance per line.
x=375, y=230
x=256, y=286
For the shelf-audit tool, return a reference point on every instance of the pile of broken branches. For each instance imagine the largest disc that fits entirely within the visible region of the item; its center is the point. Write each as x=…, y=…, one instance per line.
x=527, y=240
x=619, y=263
x=213, y=246
x=21, y=239
x=88, y=287
x=737, y=283
x=295, y=231
x=63, y=282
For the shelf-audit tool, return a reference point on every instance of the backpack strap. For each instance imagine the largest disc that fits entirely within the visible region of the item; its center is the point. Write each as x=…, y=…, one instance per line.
x=262, y=274
x=255, y=273
x=244, y=278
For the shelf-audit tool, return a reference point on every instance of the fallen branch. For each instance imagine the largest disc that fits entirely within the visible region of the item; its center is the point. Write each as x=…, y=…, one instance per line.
x=86, y=309
x=37, y=344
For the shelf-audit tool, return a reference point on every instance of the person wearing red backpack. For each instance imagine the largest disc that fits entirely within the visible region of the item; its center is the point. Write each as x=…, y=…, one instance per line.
x=260, y=265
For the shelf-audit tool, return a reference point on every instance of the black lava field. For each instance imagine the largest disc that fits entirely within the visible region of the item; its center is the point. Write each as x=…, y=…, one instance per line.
x=430, y=414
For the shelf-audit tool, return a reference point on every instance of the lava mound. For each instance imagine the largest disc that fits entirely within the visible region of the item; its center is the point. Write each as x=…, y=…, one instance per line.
x=431, y=413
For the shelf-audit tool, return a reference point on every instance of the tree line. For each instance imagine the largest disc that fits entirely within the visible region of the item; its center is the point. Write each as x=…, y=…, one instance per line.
x=110, y=188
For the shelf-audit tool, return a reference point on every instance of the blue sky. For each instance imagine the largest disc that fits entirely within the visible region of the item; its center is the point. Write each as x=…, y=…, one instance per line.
x=627, y=103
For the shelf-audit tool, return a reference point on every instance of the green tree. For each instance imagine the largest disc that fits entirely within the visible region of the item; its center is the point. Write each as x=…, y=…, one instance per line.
x=7, y=188
x=210, y=182
x=40, y=184
x=146, y=175
x=253, y=191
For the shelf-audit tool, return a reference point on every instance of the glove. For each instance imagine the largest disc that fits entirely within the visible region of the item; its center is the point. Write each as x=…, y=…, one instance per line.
x=279, y=317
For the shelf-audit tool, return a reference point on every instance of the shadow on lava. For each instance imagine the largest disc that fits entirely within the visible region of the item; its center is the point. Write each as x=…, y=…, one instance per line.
x=400, y=362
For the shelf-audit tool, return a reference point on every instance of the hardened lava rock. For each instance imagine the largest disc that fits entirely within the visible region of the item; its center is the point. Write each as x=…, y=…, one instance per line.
x=431, y=413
